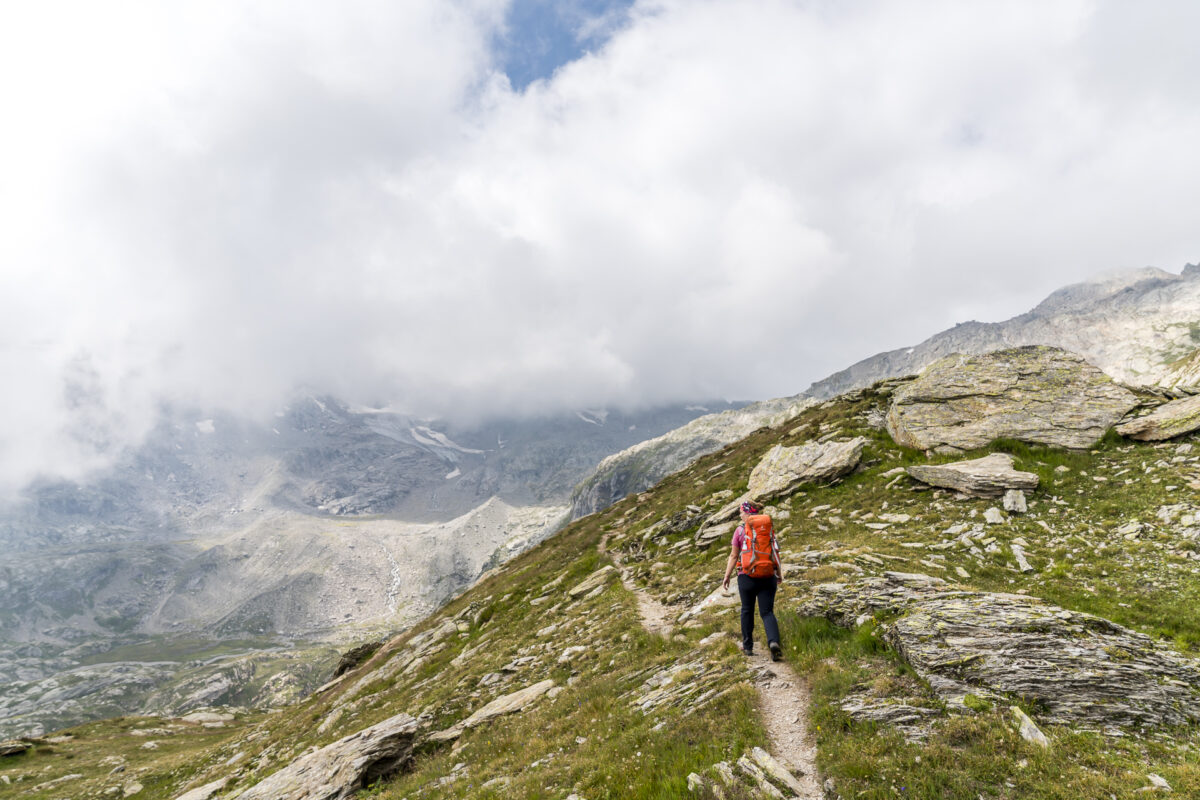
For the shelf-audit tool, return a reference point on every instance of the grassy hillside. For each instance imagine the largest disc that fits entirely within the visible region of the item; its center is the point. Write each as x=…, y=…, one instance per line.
x=633, y=713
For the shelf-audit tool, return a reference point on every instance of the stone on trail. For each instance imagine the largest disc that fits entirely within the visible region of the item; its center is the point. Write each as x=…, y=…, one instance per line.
x=593, y=581
x=990, y=476
x=340, y=769
x=1029, y=730
x=1036, y=394
x=784, y=469
x=1076, y=668
x=777, y=770
x=1165, y=422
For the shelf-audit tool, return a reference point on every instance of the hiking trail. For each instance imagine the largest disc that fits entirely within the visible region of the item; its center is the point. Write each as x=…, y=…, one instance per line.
x=782, y=694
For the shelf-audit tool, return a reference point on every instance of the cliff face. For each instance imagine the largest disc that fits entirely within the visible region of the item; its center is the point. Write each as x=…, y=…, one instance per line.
x=1130, y=324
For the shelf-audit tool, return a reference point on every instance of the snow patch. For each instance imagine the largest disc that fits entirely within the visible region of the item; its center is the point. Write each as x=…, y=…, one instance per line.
x=593, y=417
x=206, y=426
x=453, y=474
x=696, y=408
x=431, y=438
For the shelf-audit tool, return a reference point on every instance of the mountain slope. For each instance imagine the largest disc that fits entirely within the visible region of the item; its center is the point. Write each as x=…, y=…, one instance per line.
x=633, y=714
x=1131, y=324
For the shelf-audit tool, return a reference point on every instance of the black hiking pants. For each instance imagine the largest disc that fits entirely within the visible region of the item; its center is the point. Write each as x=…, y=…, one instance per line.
x=762, y=589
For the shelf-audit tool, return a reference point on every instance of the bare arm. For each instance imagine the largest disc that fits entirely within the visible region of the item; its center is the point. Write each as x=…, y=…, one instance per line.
x=733, y=554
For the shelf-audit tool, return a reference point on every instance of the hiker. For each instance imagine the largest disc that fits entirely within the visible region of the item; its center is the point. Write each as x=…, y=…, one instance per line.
x=756, y=556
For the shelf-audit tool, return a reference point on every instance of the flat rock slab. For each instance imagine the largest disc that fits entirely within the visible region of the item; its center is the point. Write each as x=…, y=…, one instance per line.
x=508, y=704
x=1041, y=395
x=990, y=476
x=597, y=578
x=783, y=470
x=1165, y=422
x=1076, y=668
x=340, y=769
x=13, y=747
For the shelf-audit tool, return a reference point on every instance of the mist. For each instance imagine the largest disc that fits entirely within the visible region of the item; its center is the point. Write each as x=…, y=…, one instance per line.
x=212, y=205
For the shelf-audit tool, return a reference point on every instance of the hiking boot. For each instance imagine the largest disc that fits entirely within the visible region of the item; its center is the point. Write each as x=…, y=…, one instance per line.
x=746, y=652
x=776, y=651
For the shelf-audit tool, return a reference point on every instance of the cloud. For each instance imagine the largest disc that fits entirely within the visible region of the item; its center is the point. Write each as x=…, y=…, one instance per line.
x=214, y=205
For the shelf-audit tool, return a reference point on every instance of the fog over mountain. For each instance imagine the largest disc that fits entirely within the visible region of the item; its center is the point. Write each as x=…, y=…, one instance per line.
x=212, y=205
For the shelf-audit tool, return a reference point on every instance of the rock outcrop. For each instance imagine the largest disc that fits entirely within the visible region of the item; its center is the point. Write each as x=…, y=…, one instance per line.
x=1077, y=668
x=1165, y=422
x=1040, y=395
x=507, y=704
x=340, y=769
x=785, y=469
x=645, y=464
x=1129, y=324
x=990, y=476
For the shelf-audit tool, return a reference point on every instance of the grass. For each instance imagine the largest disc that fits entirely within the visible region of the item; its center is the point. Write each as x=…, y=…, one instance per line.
x=592, y=739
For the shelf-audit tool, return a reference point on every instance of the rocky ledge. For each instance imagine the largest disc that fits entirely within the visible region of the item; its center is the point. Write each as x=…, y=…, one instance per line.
x=1040, y=395
x=1074, y=668
x=990, y=476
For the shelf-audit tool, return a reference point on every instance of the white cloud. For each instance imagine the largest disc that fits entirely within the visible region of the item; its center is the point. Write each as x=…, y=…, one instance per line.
x=213, y=204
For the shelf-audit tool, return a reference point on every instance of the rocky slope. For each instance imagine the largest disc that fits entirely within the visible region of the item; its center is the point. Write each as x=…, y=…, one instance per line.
x=953, y=647
x=1132, y=324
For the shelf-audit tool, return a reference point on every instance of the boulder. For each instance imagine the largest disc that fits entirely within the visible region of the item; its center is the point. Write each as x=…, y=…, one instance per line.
x=990, y=476
x=1041, y=395
x=508, y=704
x=785, y=469
x=1014, y=501
x=340, y=769
x=1165, y=422
x=596, y=579
x=1075, y=668
x=13, y=747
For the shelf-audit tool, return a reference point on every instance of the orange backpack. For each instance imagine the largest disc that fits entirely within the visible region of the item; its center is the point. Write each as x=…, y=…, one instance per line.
x=758, y=547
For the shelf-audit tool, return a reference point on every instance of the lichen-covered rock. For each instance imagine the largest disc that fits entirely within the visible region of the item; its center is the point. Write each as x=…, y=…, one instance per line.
x=1076, y=668
x=1165, y=422
x=990, y=476
x=784, y=469
x=1040, y=395
x=340, y=769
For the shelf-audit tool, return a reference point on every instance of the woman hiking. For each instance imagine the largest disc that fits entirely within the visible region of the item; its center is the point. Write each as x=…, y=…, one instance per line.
x=756, y=556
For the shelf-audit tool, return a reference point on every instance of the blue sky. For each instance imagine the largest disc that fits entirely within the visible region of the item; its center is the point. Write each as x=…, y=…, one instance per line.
x=542, y=35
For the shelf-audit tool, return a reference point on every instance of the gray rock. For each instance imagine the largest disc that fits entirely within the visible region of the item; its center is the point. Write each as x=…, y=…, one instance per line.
x=508, y=704
x=1077, y=668
x=993, y=516
x=1014, y=502
x=205, y=792
x=13, y=748
x=340, y=769
x=1022, y=562
x=1165, y=422
x=593, y=581
x=785, y=469
x=911, y=720
x=1028, y=729
x=990, y=476
x=1040, y=395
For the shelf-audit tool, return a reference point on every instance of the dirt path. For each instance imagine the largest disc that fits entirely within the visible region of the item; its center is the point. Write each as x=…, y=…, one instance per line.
x=782, y=694
x=655, y=617
x=784, y=702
